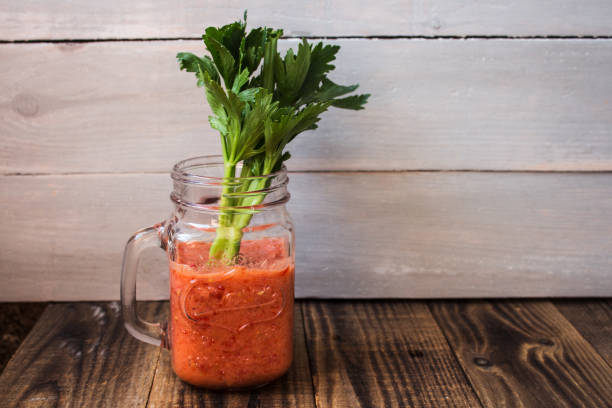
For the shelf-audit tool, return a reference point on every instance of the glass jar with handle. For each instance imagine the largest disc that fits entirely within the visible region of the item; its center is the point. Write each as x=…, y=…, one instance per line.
x=231, y=264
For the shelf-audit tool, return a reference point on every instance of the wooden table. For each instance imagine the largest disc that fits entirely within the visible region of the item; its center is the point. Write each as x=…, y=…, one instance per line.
x=396, y=353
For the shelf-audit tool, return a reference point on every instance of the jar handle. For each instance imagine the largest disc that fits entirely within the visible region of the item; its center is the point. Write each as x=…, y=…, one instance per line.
x=151, y=333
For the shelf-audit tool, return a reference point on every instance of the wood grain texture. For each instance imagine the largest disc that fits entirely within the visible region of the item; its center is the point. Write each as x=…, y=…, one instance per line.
x=447, y=104
x=34, y=19
x=295, y=389
x=79, y=355
x=381, y=354
x=593, y=319
x=436, y=235
x=524, y=354
x=359, y=235
x=16, y=322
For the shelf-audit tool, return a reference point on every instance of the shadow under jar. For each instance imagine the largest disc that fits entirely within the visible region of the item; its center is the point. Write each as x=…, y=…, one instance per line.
x=231, y=320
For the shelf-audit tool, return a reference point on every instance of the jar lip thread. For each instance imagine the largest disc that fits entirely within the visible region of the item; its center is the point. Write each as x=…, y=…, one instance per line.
x=237, y=209
x=202, y=191
x=180, y=171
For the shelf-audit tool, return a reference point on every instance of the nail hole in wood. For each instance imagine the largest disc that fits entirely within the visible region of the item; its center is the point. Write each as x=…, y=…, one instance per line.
x=415, y=353
x=482, y=362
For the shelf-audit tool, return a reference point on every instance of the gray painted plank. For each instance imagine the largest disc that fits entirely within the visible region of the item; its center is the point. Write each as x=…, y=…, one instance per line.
x=35, y=19
x=359, y=235
x=470, y=104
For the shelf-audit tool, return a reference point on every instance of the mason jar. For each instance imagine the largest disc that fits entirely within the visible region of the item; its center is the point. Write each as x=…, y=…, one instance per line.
x=231, y=320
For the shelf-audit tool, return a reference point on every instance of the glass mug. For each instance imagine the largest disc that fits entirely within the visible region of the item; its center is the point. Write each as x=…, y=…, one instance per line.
x=230, y=324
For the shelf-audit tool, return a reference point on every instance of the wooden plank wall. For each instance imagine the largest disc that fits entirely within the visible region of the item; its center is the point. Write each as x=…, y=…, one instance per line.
x=481, y=166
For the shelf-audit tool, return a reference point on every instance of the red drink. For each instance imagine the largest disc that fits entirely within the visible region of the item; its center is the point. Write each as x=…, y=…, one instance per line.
x=231, y=326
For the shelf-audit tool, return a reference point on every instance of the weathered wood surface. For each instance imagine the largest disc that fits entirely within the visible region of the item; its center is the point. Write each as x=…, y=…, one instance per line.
x=79, y=355
x=392, y=353
x=358, y=234
x=16, y=322
x=524, y=354
x=381, y=354
x=295, y=389
x=448, y=104
x=31, y=19
x=593, y=318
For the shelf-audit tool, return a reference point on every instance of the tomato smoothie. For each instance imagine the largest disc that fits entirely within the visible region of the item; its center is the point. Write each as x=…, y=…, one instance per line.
x=231, y=326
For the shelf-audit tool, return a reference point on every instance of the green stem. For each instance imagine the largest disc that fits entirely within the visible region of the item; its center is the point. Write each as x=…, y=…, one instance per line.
x=230, y=231
x=243, y=219
x=268, y=65
x=227, y=241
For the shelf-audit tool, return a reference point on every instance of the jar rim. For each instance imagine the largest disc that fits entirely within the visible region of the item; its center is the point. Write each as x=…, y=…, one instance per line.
x=180, y=171
x=186, y=181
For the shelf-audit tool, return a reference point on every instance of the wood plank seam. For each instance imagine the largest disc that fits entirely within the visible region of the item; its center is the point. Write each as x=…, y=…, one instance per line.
x=314, y=171
x=586, y=338
x=155, y=19
x=320, y=38
x=454, y=353
x=308, y=352
x=154, y=375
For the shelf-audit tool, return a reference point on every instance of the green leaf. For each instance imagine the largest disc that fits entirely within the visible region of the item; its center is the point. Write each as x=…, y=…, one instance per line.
x=276, y=129
x=192, y=63
x=328, y=91
x=218, y=124
x=254, y=48
x=228, y=110
x=248, y=95
x=215, y=95
x=241, y=79
x=223, y=59
x=320, y=58
x=291, y=72
x=354, y=102
x=308, y=117
x=254, y=123
x=226, y=46
x=230, y=36
x=285, y=125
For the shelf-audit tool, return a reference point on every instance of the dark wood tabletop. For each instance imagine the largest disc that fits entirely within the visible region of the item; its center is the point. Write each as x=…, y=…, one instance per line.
x=367, y=353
